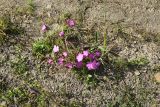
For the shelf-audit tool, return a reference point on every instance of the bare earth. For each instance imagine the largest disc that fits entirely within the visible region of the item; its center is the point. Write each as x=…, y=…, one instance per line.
x=140, y=19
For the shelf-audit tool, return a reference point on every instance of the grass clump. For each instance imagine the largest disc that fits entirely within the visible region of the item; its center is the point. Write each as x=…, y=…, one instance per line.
x=8, y=28
x=29, y=9
x=2, y=36
x=15, y=95
x=26, y=95
x=138, y=62
x=121, y=63
x=31, y=5
x=3, y=84
x=4, y=25
x=41, y=47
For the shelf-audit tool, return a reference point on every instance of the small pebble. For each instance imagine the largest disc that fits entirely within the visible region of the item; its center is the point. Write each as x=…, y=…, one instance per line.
x=49, y=6
x=157, y=77
x=137, y=73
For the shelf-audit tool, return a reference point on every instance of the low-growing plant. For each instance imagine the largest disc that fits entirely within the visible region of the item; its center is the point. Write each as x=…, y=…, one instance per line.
x=75, y=104
x=4, y=24
x=80, y=50
x=28, y=9
x=120, y=63
x=124, y=64
x=31, y=4
x=2, y=36
x=15, y=96
x=138, y=62
x=3, y=84
x=29, y=94
x=69, y=52
x=8, y=27
x=19, y=65
x=41, y=47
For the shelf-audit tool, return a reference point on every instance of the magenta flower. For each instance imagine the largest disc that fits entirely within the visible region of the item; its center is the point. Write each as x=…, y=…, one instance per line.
x=71, y=22
x=50, y=61
x=60, y=61
x=55, y=48
x=97, y=53
x=79, y=57
x=85, y=53
x=91, y=56
x=79, y=64
x=98, y=64
x=69, y=65
x=61, y=34
x=44, y=28
x=65, y=54
x=93, y=65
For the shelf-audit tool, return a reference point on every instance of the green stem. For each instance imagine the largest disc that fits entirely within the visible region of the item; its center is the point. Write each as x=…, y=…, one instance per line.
x=105, y=40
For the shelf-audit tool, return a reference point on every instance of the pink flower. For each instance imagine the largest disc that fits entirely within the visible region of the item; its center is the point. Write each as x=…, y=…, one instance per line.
x=61, y=34
x=65, y=54
x=98, y=64
x=79, y=64
x=85, y=53
x=93, y=65
x=91, y=56
x=50, y=61
x=79, y=57
x=55, y=48
x=69, y=65
x=97, y=53
x=44, y=28
x=60, y=61
x=71, y=22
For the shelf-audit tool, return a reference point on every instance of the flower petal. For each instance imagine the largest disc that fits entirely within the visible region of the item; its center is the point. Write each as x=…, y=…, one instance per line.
x=79, y=57
x=71, y=22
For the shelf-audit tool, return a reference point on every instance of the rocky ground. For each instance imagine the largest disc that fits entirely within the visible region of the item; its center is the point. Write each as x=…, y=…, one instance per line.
x=132, y=32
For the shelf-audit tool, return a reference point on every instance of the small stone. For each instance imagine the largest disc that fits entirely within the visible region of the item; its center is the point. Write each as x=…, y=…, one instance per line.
x=135, y=42
x=105, y=78
x=137, y=73
x=49, y=6
x=49, y=14
x=157, y=77
x=144, y=71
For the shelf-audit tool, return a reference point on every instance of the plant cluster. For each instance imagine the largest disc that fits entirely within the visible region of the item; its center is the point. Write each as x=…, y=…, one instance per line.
x=71, y=47
x=4, y=24
x=28, y=9
x=27, y=95
x=7, y=27
x=19, y=65
x=68, y=48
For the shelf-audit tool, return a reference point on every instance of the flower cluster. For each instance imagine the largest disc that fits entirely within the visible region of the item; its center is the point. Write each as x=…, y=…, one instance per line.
x=88, y=60
x=85, y=59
